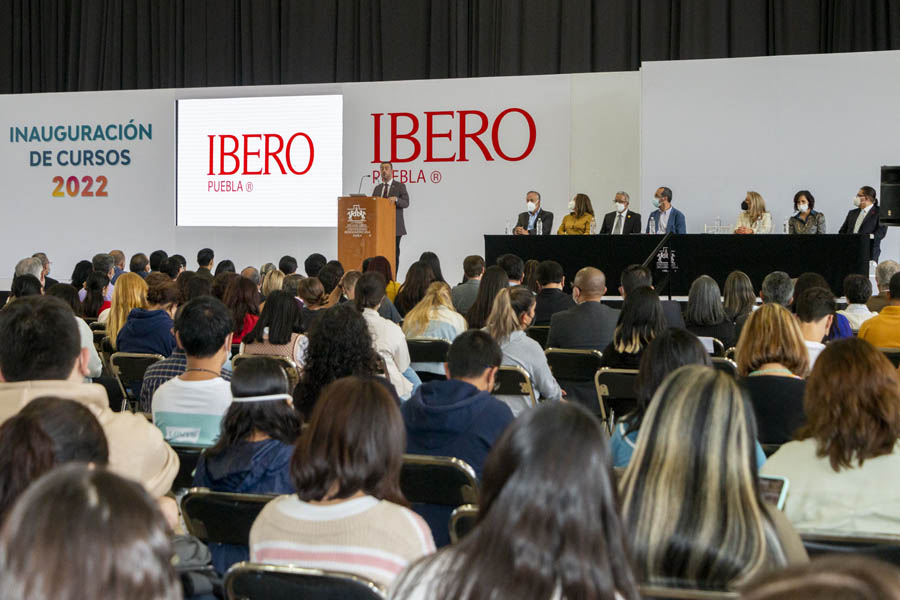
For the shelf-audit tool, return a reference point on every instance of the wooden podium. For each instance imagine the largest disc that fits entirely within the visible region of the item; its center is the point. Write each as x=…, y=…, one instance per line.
x=366, y=227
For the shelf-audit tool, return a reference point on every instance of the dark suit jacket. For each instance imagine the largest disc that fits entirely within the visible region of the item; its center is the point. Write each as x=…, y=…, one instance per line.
x=676, y=222
x=586, y=326
x=869, y=226
x=632, y=223
x=399, y=190
x=546, y=218
x=49, y=282
x=550, y=302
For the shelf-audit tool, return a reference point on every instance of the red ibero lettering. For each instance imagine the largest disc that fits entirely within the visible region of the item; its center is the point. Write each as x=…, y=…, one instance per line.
x=260, y=154
x=467, y=125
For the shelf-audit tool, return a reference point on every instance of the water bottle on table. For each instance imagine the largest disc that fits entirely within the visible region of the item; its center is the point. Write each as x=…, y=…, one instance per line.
x=539, y=227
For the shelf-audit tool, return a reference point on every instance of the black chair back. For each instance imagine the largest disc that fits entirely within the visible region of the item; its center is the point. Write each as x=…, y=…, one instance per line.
x=725, y=364
x=188, y=457
x=573, y=365
x=438, y=480
x=514, y=381
x=427, y=350
x=615, y=391
x=250, y=581
x=221, y=517
x=893, y=355
x=128, y=368
x=462, y=521
x=235, y=350
x=886, y=548
x=539, y=333
x=289, y=366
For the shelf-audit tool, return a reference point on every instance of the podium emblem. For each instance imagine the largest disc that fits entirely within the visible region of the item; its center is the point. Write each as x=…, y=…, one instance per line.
x=356, y=213
x=357, y=225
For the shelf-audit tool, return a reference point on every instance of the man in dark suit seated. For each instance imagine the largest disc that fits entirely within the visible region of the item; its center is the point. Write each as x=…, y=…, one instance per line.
x=550, y=299
x=621, y=221
x=528, y=220
x=635, y=276
x=864, y=219
x=589, y=325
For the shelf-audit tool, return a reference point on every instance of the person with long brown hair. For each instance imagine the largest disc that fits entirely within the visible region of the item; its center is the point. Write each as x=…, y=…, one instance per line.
x=242, y=299
x=580, y=217
x=493, y=280
x=418, y=278
x=348, y=513
x=843, y=467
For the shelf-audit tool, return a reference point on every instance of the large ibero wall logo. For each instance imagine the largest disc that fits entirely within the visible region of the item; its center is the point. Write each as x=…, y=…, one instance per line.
x=449, y=136
x=255, y=162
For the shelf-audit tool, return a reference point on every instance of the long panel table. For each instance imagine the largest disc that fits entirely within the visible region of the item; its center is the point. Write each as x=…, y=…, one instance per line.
x=832, y=256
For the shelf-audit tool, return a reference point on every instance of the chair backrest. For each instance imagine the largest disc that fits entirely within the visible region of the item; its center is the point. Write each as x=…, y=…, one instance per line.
x=651, y=592
x=713, y=346
x=221, y=517
x=252, y=581
x=235, y=350
x=892, y=354
x=427, y=350
x=97, y=325
x=187, y=457
x=539, y=333
x=128, y=368
x=462, y=521
x=725, y=364
x=514, y=381
x=439, y=480
x=616, y=393
x=883, y=547
x=573, y=365
x=730, y=353
x=289, y=366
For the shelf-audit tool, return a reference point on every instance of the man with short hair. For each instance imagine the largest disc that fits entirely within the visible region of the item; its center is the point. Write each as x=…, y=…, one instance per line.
x=139, y=264
x=589, y=325
x=857, y=290
x=458, y=416
x=48, y=281
x=777, y=288
x=550, y=299
x=287, y=265
x=395, y=192
x=883, y=273
x=30, y=266
x=526, y=224
x=635, y=276
x=156, y=259
x=463, y=295
x=118, y=264
x=665, y=218
x=621, y=221
x=205, y=259
x=514, y=267
x=251, y=273
x=42, y=356
x=883, y=330
x=188, y=409
x=313, y=264
x=101, y=263
x=864, y=220
x=171, y=267
x=815, y=312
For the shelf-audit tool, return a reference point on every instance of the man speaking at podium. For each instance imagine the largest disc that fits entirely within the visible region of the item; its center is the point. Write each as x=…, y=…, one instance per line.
x=396, y=193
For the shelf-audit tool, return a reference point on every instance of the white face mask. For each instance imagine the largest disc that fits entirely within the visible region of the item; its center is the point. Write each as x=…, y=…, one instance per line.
x=530, y=206
x=856, y=201
x=802, y=207
x=571, y=205
x=620, y=207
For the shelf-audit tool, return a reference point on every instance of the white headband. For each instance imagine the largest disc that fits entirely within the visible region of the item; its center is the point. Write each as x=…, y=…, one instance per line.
x=263, y=398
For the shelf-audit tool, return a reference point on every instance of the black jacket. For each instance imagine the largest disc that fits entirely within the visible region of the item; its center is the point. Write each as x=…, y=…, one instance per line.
x=632, y=223
x=549, y=302
x=544, y=216
x=869, y=226
x=587, y=326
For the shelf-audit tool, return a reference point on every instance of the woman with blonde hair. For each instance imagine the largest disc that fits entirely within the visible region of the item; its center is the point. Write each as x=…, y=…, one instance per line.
x=772, y=361
x=580, y=217
x=274, y=280
x=512, y=314
x=130, y=292
x=690, y=495
x=434, y=317
x=754, y=217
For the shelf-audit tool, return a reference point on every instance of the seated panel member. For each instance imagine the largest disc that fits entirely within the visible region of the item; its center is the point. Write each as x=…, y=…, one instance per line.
x=806, y=220
x=580, y=217
x=864, y=219
x=621, y=221
x=527, y=222
x=754, y=217
x=666, y=218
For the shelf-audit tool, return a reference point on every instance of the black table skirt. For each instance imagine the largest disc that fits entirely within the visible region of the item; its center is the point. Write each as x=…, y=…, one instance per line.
x=832, y=256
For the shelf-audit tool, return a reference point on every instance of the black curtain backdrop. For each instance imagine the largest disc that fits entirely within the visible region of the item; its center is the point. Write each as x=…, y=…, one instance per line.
x=78, y=45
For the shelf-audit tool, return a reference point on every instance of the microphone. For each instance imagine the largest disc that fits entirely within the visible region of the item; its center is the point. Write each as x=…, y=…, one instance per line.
x=361, y=179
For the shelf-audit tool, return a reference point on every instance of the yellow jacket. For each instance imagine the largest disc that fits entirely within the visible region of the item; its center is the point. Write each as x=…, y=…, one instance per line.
x=575, y=226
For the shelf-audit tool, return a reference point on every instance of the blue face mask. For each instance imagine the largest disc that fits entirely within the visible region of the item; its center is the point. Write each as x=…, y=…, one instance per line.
x=656, y=202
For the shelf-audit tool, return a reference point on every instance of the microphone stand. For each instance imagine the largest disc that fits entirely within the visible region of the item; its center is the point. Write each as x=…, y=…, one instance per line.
x=649, y=259
x=361, y=179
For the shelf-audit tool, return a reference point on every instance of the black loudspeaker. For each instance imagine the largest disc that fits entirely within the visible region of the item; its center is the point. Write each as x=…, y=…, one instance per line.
x=889, y=204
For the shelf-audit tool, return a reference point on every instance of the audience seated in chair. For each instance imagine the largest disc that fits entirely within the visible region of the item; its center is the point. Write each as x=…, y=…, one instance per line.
x=312, y=293
x=739, y=299
x=464, y=294
x=828, y=578
x=383, y=266
x=418, y=277
x=188, y=409
x=772, y=361
x=514, y=268
x=149, y=330
x=883, y=330
x=139, y=265
x=690, y=499
x=242, y=300
x=589, y=325
x=550, y=299
x=842, y=471
x=637, y=276
x=102, y=263
x=254, y=450
x=205, y=260
x=457, y=417
x=705, y=314
x=840, y=326
x=42, y=356
x=130, y=293
x=69, y=295
x=435, y=318
x=313, y=264
x=277, y=333
x=537, y=503
x=639, y=322
x=95, y=302
x=815, y=309
x=512, y=314
x=493, y=280
x=387, y=337
x=883, y=273
x=777, y=288
x=857, y=290
x=348, y=513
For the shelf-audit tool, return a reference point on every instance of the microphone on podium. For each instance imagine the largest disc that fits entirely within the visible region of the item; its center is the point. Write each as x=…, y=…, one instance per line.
x=361, y=179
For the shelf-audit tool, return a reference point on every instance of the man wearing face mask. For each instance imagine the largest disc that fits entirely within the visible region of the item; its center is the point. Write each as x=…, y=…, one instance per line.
x=621, y=221
x=527, y=223
x=665, y=218
x=864, y=219
x=589, y=325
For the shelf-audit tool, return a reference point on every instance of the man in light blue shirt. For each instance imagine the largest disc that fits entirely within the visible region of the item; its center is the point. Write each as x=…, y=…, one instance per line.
x=665, y=218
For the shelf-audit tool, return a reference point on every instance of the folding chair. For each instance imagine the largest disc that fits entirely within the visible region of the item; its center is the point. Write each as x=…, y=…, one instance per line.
x=714, y=347
x=615, y=393
x=514, y=381
x=428, y=350
x=539, y=333
x=221, y=517
x=652, y=592
x=725, y=364
x=892, y=354
x=574, y=370
x=730, y=353
x=441, y=480
x=252, y=581
x=235, y=350
x=770, y=449
x=289, y=366
x=882, y=547
x=462, y=521
x=128, y=368
x=188, y=456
